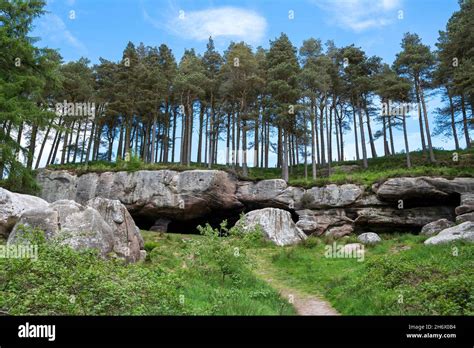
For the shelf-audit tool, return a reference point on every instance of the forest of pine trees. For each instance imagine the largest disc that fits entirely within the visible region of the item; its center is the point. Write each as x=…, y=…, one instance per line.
x=247, y=103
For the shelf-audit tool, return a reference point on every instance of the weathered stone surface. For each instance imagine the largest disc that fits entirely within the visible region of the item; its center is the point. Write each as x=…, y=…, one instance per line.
x=465, y=217
x=178, y=195
x=275, y=223
x=128, y=241
x=406, y=218
x=12, y=205
x=464, y=231
x=464, y=209
x=319, y=221
x=46, y=220
x=69, y=223
x=369, y=238
x=104, y=225
x=435, y=227
x=269, y=193
x=331, y=196
x=339, y=231
x=422, y=188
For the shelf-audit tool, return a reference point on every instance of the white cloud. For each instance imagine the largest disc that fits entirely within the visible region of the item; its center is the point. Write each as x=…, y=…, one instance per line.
x=360, y=15
x=53, y=27
x=224, y=22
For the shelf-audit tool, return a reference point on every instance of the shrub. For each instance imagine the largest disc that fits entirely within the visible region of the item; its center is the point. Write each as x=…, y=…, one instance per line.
x=63, y=281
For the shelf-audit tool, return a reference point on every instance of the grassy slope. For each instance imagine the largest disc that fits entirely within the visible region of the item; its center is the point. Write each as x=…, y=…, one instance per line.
x=170, y=282
x=203, y=288
x=379, y=169
x=400, y=276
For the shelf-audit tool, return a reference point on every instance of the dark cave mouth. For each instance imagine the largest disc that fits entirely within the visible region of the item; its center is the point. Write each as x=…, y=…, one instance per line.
x=173, y=225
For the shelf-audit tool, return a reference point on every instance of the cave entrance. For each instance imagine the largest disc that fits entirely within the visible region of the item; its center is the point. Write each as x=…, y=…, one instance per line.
x=170, y=225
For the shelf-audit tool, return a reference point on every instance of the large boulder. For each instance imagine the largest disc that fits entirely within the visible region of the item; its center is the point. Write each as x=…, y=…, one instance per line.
x=104, y=225
x=68, y=223
x=275, y=223
x=435, y=227
x=128, y=242
x=12, y=205
x=318, y=222
x=464, y=231
x=419, y=189
x=369, y=238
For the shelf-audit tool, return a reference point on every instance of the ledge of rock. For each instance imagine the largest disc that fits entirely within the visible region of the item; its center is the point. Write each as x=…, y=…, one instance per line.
x=197, y=195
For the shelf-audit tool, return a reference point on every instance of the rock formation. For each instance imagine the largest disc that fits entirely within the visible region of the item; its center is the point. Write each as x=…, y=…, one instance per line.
x=397, y=204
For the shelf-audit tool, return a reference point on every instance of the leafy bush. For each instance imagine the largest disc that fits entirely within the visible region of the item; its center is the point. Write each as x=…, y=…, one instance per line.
x=66, y=282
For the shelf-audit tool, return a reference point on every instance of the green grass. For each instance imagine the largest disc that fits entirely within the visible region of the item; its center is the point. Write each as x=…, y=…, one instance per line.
x=399, y=276
x=180, y=277
x=203, y=288
x=380, y=169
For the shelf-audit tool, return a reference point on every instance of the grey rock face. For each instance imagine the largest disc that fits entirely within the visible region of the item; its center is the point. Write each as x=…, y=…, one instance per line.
x=369, y=238
x=406, y=218
x=128, y=241
x=318, y=222
x=465, y=217
x=269, y=193
x=12, y=205
x=104, y=225
x=464, y=231
x=68, y=223
x=435, y=227
x=178, y=195
x=275, y=223
x=419, y=188
x=331, y=196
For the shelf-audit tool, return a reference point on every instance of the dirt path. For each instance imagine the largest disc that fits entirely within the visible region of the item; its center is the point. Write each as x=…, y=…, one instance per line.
x=304, y=303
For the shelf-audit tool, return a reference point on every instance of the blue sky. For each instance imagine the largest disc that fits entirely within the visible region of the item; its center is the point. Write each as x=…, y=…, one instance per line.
x=102, y=28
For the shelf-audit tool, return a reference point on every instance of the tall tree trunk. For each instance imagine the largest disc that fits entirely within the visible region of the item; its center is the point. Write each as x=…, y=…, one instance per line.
x=305, y=140
x=321, y=133
x=45, y=140
x=369, y=130
x=120, y=144
x=420, y=117
x=284, y=166
x=362, y=138
x=427, y=125
x=174, y=134
x=227, y=152
x=313, y=140
x=245, y=170
x=255, y=142
x=32, y=146
x=392, y=146
x=356, y=140
x=465, y=123
x=453, y=121
x=201, y=125
x=76, y=146
x=57, y=139
x=153, y=137
x=405, y=136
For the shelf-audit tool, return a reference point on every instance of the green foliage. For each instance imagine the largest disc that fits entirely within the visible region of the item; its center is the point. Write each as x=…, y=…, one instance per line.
x=400, y=276
x=67, y=282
